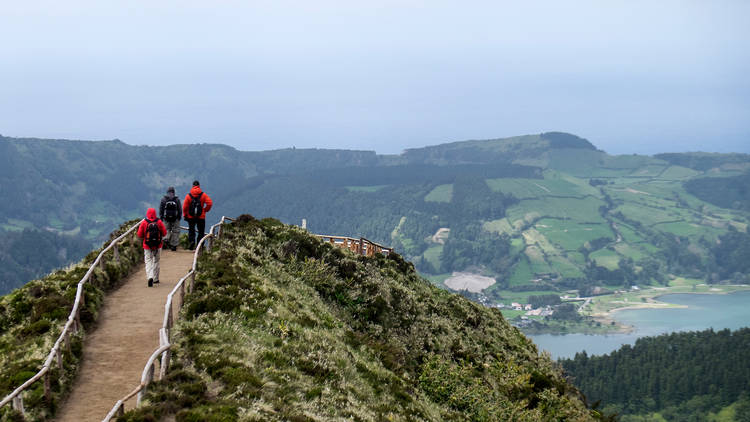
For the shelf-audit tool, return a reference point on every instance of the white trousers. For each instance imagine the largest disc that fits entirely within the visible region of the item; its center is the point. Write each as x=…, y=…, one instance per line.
x=151, y=257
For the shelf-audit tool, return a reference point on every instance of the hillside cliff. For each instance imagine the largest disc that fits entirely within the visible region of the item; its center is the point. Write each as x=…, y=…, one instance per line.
x=282, y=326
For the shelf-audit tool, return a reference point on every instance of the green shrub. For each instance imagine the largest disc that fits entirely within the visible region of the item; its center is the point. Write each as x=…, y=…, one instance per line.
x=32, y=317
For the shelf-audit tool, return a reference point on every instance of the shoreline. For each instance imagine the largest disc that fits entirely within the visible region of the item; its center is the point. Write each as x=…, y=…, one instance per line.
x=652, y=302
x=601, y=312
x=651, y=297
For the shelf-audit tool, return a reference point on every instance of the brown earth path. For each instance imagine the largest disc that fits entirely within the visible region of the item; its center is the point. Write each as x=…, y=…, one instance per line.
x=127, y=333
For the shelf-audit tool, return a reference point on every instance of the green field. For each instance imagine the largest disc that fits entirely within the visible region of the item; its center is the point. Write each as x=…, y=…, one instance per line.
x=534, y=238
x=441, y=193
x=554, y=184
x=630, y=251
x=432, y=255
x=628, y=233
x=537, y=261
x=652, y=170
x=678, y=173
x=682, y=228
x=646, y=215
x=564, y=267
x=522, y=273
x=511, y=313
x=581, y=210
x=498, y=226
x=523, y=297
x=517, y=245
x=576, y=257
x=606, y=258
x=571, y=235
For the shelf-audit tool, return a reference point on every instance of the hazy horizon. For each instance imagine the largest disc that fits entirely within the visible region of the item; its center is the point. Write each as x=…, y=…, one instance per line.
x=341, y=148
x=631, y=77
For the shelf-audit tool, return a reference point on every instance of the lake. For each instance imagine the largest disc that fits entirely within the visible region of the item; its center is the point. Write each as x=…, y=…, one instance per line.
x=704, y=311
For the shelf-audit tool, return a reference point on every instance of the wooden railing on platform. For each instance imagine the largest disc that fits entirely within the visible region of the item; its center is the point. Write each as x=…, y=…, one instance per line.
x=360, y=246
x=72, y=327
x=164, y=333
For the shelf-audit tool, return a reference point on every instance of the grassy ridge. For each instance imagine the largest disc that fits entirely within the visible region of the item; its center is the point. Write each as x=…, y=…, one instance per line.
x=284, y=327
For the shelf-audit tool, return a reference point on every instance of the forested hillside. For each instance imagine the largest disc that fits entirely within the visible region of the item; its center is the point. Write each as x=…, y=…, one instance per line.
x=540, y=214
x=678, y=376
x=29, y=254
x=284, y=327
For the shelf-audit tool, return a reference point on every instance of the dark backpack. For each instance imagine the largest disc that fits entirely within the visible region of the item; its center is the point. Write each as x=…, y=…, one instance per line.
x=153, y=234
x=196, y=208
x=171, y=209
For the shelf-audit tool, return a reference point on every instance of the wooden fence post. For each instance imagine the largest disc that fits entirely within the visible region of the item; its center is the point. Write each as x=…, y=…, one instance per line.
x=47, y=389
x=164, y=364
x=117, y=253
x=77, y=322
x=59, y=353
x=18, y=403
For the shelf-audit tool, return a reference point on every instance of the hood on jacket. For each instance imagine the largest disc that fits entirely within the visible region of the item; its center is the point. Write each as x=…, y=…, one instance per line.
x=151, y=214
x=195, y=190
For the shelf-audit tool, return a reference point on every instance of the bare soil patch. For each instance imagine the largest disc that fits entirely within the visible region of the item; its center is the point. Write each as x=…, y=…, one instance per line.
x=474, y=283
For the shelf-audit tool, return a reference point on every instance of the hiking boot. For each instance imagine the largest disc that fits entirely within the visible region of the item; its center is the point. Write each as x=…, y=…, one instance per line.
x=174, y=248
x=156, y=281
x=150, y=282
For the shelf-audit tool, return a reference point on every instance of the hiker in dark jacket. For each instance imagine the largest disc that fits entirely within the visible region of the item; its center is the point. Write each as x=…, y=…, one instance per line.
x=152, y=231
x=194, y=208
x=170, y=212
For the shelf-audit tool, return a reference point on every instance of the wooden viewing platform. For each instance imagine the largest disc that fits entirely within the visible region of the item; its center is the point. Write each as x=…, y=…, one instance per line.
x=360, y=246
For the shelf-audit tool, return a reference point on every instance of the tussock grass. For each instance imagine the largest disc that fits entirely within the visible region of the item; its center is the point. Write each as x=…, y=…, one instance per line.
x=32, y=317
x=284, y=327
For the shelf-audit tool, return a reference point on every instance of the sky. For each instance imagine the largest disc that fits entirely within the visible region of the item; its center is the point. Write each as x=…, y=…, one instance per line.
x=631, y=76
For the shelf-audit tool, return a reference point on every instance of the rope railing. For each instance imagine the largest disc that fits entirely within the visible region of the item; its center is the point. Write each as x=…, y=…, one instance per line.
x=71, y=327
x=360, y=246
x=164, y=350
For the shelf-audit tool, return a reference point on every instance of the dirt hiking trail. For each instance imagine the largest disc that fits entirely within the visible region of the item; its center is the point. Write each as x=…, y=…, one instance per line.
x=116, y=351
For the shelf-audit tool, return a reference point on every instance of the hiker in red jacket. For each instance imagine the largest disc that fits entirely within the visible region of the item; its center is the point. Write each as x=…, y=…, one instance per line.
x=152, y=231
x=194, y=209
